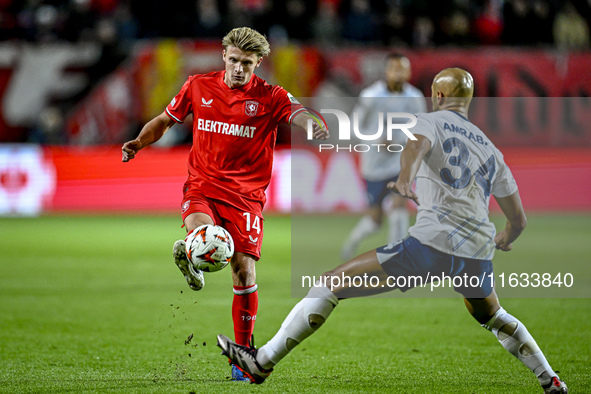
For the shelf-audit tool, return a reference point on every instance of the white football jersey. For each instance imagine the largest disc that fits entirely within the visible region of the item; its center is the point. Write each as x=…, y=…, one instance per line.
x=454, y=184
x=376, y=98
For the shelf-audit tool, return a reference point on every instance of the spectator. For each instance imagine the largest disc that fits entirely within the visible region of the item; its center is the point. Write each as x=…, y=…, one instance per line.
x=488, y=26
x=360, y=23
x=296, y=16
x=570, y=29
x=326, y=25
x=456, y=29
x=210, y=21
x=542, y=20
x=112, y=53
x=423, y=32
x=395, y=29
x=49, y=129
x=9, y=27
x=80, y=22
x=251, y=13
x=517, y=29
x=127, y=25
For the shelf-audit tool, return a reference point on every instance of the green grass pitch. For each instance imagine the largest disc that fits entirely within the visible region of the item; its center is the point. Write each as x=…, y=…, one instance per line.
x=95, y=304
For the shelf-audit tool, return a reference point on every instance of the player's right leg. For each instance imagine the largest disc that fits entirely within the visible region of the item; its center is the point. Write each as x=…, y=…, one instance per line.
x=306, y=317
x=194, y=277
x=515, y=338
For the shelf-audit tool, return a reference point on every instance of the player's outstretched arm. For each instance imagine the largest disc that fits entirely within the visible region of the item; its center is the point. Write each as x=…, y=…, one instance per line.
x=151, y=132
x=516, y=221
x=410, y=161
x=319, y=130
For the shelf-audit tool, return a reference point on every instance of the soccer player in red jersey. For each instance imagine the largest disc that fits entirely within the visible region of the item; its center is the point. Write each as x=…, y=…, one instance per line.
x=235, y=119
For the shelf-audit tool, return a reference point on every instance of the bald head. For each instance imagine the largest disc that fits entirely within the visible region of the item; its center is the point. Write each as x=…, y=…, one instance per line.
x=452, y=89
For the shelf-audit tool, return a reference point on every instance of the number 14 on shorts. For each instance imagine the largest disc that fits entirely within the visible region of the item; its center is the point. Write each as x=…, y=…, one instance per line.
x=252, y=222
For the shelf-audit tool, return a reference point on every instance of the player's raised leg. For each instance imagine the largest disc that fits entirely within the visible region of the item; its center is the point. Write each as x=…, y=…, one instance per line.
x=306, y=317
x=515, y=338
x=193, y=276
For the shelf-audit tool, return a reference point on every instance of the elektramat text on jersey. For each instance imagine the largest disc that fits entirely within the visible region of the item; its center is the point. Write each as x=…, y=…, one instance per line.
x=215, y=126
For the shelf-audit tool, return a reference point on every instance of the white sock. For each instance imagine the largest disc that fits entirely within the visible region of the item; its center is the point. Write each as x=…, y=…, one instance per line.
x=515, y=338
x=398, y=222
x=363, y=229
x=303, y=320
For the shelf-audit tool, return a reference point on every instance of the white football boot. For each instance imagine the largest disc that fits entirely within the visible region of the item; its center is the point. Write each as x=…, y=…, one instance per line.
x=193, y=276
x=556, y=386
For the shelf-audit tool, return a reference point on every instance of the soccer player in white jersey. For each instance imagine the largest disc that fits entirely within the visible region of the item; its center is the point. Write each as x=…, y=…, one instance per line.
x=378, y=168
x=456, y=168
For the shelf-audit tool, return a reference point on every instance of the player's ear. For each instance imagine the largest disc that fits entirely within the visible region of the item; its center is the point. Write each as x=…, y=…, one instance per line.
x=440, y=97
x=259, y=61
x=224, y=54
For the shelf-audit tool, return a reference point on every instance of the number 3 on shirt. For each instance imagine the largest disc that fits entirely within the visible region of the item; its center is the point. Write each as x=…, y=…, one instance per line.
x=254, y=224
x=483, y=175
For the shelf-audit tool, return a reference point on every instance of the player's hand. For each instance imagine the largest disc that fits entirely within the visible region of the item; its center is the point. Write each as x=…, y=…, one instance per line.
x=319, y=132
x=502, y=244
x=404, y=190
x=129, y=150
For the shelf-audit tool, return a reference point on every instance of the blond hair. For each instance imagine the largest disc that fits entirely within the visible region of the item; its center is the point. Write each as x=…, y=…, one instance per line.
x=247, y=40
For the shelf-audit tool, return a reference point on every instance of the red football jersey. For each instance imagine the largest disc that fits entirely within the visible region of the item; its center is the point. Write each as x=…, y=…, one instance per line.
x=234, y=133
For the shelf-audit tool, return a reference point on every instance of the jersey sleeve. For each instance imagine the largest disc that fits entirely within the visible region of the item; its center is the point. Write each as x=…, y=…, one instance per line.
x=504, y=184
x=180, y=106
x=285, y=106
x=426, y=128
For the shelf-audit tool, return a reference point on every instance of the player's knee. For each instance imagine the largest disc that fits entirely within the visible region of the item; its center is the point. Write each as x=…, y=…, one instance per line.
x=499, y=320
x=482, y=310
x=482, y=316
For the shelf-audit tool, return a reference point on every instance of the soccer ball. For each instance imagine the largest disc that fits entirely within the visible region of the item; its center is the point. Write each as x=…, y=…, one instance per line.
x=209, y=247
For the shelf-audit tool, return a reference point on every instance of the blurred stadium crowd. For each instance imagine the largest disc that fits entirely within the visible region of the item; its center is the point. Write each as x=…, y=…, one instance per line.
x=116, y=27
x=419, y=23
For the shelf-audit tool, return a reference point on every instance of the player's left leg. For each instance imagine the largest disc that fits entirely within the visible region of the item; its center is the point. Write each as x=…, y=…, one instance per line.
x=245, y=303
x=247, y=232
x=246, y=299
x=515, y=338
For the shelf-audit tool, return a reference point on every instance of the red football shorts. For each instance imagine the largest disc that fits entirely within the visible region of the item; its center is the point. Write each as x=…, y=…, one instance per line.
x=246, y=228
